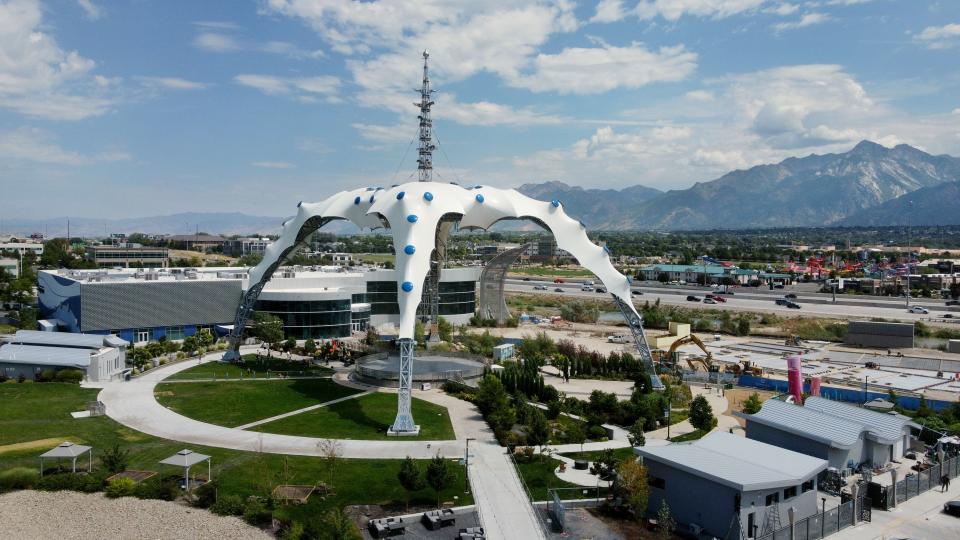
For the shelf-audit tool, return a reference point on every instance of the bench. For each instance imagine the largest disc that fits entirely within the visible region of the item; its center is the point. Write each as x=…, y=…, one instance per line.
x=438, y=518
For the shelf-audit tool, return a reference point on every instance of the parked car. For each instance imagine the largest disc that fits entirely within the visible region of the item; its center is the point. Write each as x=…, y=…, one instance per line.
x=709, y=301
x=919, y=310
x=539, y=287
x=619, y=338
x=952, y=508
x=692, y=298
x=558, y=289
x=601, y=290
x=790, y=296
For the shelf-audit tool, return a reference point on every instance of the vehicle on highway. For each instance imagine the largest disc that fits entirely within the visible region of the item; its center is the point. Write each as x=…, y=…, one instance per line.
x=790, y=296
x=526, y=279
x=539, y=287
x=589, y=283
x=692, y=298
x=781, y=301
x=919, y=310
x=619, y=338
x=952, y=508
x=778, y=286
x=558, y=289
x=558, y=280
x=586, y=288
x=724, y=292
x=792, y=305
x=636, y=292
x=600, y=290
x=715, y=298
x=953, y=302
x=709, y=301
x=947, y=315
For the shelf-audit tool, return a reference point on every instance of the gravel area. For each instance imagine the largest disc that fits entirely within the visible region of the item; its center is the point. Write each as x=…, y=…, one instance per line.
x=36, y=515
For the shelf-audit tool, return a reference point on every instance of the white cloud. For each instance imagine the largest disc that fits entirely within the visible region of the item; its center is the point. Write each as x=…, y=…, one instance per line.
x=673, y=10
x=34, y=145
x=304, y=89
x=699, y=95
x=808, y=19
x=173, y=83
x=601, y=69
x=609, y=11
x=940, y=37
x=216, y=42
x=37, y=77
x=385, y=134
x=272, y=164
x=485, y=113
x=91, y=10
x=783, y=9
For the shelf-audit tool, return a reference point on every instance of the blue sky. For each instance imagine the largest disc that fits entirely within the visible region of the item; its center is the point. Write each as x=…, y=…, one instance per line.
x=124, y=109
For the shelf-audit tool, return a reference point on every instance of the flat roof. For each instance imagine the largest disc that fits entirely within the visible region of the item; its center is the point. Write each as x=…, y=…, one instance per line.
x=45, y=356
x=737, y=462
x=809, y=423
x=66, y=339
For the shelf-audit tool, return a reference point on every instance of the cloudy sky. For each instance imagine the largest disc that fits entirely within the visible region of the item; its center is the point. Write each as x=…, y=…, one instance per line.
x=121, y=109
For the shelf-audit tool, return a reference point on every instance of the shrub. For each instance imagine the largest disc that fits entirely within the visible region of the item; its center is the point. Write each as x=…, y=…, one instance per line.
x=596, y=433
x=205, y=495
x=228, y=505
x=115, y=459
x=121, y=487
x=18, y=478
x=69, y=376
x=87, y=483
x=255, y=512
x=46, y=375
x=166, y=489
x=294, y=532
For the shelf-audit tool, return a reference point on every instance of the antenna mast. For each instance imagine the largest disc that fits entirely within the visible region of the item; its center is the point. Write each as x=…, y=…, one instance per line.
x=426, y=147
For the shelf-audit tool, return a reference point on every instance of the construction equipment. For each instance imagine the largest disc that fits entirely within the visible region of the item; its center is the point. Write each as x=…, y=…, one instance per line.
x=793, y=341
x=706, y=362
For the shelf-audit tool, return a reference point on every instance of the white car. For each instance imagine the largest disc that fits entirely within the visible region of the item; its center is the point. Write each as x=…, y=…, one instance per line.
x=586, y=288
x=709, y=301
x=918, y=309
x=620, y=338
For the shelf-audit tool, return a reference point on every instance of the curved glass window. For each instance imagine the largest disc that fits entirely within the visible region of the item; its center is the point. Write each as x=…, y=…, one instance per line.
x=305, y=319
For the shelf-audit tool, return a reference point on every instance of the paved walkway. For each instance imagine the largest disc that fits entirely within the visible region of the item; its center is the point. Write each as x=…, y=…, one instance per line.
x=719, y=405
x=301, y=411
x=501, y=501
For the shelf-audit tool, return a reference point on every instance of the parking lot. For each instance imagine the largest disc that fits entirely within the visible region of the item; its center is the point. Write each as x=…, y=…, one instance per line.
x=919, y=518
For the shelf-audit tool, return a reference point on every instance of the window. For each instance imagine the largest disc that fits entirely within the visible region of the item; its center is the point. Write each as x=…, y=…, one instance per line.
x=773, y=498
x=790, y=493
x=807, y=486
x=658, y=483
x=175, y=333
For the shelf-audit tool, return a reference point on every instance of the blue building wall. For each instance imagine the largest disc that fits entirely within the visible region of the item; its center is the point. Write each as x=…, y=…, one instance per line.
x=840, y=394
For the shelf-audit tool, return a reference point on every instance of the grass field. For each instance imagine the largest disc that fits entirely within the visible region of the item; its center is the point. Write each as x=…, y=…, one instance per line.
x=249, y=367
x=366, y=417
x=32, y=412
x=593, y=455
x=234, y=403
x=538, y=475
x=549, y=271
x=687, y=437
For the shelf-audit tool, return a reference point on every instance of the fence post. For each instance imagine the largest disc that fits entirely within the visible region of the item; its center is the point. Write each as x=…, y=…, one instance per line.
x=792, y=517
x=854, y=492
x=893, y=478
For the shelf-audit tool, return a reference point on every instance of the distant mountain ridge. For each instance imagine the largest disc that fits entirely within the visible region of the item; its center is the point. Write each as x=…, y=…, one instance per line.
x=935, y=205
x=588, y=204
x=224, y=223
x=815, y=190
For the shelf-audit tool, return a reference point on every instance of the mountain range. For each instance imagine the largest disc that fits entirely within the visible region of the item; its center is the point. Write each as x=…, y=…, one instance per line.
x=869, y=185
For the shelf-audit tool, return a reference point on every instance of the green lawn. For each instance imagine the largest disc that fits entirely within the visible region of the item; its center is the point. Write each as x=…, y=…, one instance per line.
x=593, y=455
x=692, y=436
x=249, y=367
x=366, y=417
x=234, y=403
x=34, y=411
x=538, y=475
x=552, y=272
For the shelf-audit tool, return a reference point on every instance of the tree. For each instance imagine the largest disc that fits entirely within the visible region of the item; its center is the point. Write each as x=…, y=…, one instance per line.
x=115, y=459
x=635, y=434
x=539, y=432
x=27, y=318
x=631, y=485
x=753, y=404
x=410, y=477
x=743, y=326
x=445, y=329
x=330, y=451
x=337, y=525
x=289, y=344
x=605, y=467
x=250, y=259
x=189, y=344
x=269, y=328
x=491, y=395
x=204, y=337
x=310, y=347
x=440, y=475
x=575, y=434
x=701, y=414
x=665, y=522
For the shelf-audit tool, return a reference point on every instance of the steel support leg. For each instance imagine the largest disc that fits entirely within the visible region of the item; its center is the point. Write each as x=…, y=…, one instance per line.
x=640, y=340
x=403, y=424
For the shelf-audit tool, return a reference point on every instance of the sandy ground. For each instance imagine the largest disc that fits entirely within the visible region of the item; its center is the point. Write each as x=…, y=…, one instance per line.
x=736, y=397
x=39, y=515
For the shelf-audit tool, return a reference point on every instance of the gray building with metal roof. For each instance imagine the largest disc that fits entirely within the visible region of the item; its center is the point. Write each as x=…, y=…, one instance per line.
x=723, y=483
x=845, y=435
x=29, y=353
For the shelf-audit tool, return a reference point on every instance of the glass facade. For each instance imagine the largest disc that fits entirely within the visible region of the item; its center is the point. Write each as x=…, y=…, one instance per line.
x=303, y=319
x=456, y=297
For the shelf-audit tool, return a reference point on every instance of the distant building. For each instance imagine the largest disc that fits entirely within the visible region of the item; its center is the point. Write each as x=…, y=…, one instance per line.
x=23, y=248
x=694, y=272
x=845, y=435
x=341, y=259
x=246, y=246
x=727, y=486
x=30, y=352
x=12, y=266
x=129, y=256
x=201, y=242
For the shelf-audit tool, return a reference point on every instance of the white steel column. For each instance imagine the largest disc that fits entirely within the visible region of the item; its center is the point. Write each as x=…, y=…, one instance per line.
x=403, y=424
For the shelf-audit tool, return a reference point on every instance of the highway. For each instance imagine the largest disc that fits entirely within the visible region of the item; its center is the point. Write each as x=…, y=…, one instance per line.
x=761, y=300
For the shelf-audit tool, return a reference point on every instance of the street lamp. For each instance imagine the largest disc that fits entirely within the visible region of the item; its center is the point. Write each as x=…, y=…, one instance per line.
x=823, y=516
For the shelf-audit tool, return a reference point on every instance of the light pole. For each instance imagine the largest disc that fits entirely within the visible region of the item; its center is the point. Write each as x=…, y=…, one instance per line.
x=666, y=413
x=823, y=515
x=466, y=466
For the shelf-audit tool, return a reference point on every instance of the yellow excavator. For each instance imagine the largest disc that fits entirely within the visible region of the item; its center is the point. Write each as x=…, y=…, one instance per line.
x=707, y=360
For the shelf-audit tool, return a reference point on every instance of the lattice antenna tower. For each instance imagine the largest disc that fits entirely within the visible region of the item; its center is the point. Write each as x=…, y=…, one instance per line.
x=426, y=147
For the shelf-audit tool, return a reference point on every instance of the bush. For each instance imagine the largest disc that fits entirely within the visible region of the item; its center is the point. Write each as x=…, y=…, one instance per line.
x=87, y=483
x=165, y=489
x=228, y=505
x=69, y=376
x=46, y=375
x=18, y=478
x=205, y=495
x=294, y=532
x=596, y=433
x=255, y=512
x=121, y=487
x=115, y=459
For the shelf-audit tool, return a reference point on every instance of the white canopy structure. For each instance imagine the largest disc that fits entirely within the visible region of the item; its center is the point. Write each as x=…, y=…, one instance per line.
x=186, y=459
x=70, y=451
x=419, y=216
